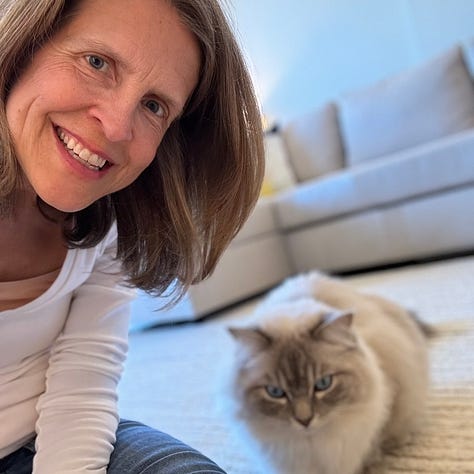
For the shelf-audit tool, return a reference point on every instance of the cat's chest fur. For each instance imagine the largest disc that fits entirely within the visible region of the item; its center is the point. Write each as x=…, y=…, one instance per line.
x=325, y=376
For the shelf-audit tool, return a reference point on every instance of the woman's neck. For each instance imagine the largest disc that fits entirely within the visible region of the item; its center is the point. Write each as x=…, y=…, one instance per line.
x=31, y=244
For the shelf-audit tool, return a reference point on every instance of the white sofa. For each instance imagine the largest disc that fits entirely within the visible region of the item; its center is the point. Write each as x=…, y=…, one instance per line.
x=378, y=176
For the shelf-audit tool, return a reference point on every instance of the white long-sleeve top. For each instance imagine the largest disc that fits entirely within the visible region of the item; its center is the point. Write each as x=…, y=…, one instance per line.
x=61, y=358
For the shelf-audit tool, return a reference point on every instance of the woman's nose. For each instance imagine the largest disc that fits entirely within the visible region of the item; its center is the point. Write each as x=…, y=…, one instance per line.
x=116, y=119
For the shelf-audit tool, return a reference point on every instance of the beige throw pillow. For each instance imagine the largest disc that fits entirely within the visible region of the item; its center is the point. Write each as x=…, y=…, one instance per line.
x=279, y=174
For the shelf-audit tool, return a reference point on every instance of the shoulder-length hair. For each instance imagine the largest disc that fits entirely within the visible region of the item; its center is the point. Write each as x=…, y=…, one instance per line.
x=180, y=214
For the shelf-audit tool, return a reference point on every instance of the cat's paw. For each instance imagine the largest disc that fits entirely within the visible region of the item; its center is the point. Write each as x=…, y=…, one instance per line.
x=373, y=464
x=391, y=445
x=376, y=468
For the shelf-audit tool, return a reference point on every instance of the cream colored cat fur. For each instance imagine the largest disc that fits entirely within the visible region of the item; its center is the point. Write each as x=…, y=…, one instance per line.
x=312, y=331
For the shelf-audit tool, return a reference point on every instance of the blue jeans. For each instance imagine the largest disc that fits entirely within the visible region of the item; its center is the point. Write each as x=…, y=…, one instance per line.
x=139, y=449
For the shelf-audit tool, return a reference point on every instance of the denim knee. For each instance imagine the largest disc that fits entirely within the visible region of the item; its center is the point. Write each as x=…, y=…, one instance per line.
x=140, y=449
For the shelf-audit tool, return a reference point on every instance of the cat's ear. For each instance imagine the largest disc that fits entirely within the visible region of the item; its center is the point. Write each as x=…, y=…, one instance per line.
x=252, y=337
x=335, y=327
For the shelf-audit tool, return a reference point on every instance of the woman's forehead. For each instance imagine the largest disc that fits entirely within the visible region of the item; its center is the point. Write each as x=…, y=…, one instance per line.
x=146, y=38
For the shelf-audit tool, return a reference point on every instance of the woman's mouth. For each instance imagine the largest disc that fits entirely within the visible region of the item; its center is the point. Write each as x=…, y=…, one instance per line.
x=80, y=153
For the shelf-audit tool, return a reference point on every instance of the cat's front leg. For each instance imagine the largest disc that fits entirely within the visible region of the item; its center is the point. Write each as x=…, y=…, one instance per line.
x=373, y=469
x=373, y=464
x=394, y=443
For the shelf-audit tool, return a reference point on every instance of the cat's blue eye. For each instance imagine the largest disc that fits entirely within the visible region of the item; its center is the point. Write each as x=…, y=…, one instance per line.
x=323, y=383
x=275, y=392
x=96, y=62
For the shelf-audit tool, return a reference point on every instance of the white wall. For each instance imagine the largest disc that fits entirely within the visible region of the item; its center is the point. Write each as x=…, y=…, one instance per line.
x=304, y=52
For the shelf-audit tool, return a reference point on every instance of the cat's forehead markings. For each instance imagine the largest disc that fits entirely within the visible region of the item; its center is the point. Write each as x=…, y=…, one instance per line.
x=293, y=366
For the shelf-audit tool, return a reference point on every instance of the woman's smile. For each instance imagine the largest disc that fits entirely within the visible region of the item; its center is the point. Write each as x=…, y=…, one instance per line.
x=80, y=153
x=90, y=110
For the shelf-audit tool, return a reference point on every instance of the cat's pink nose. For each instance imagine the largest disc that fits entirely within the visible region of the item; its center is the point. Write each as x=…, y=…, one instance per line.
x=303, y=411
x=304, y=421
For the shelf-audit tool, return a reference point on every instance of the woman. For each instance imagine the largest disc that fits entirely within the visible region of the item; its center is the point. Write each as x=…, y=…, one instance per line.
x=131, y=154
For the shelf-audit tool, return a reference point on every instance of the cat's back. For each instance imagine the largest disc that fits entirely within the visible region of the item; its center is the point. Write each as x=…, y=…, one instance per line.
x=306, y=285
x=374, y=315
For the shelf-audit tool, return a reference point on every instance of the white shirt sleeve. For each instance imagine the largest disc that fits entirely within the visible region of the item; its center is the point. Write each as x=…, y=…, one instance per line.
x=77, y=414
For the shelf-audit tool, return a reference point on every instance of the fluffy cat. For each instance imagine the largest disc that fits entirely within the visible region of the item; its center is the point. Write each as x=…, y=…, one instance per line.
x=326, y=377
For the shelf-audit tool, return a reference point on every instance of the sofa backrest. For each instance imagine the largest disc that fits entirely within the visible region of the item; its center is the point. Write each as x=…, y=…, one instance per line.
x=425, y=103
x=428, y=102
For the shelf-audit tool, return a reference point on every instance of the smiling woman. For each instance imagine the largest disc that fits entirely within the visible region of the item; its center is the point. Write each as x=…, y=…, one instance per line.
x=130, y=154
x=103, y=84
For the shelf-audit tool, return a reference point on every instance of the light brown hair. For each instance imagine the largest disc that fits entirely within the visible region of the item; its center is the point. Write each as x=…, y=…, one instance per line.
x=180, y=214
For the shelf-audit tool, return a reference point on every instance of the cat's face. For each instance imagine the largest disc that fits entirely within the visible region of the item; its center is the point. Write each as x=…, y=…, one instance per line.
x=301, y=377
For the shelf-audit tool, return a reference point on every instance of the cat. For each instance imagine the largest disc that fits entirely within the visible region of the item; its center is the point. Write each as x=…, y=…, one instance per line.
x=326, y=378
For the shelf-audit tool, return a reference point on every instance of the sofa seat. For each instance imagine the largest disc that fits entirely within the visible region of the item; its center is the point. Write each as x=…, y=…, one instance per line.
x=434, y=225
x=439, y=165
x=262, y=221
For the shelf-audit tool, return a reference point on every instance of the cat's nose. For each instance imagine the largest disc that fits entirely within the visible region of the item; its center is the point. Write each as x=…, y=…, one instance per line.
x=303, y=411
x=304, y=421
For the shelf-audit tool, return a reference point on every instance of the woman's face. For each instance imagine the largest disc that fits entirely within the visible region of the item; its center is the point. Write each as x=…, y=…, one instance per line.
x=89, y=112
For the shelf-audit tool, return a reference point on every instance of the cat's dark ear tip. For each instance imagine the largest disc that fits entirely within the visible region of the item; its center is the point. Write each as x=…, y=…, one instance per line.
x=347, y=317
x=343, y=317
x=234, y=331
x=251, y=336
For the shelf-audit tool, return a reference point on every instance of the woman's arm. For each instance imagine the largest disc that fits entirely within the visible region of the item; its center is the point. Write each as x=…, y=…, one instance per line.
x=78, y=411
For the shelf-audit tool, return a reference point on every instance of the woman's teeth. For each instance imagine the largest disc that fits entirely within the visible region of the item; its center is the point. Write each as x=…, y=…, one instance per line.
x=80, y=153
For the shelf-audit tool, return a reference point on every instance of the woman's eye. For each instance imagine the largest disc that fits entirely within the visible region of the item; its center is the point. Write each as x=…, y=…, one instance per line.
x=154, y=107
x=323, y=383
x=274, y=392
x=96, y=62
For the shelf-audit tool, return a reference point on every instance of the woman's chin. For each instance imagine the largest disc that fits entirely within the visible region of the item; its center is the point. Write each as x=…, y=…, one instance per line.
x=63, y=204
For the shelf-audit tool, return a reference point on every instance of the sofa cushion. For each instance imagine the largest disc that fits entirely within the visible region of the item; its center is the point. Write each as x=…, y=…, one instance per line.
x=442, y=164
x=420, y=105
x=314, y=143
x=434, y=225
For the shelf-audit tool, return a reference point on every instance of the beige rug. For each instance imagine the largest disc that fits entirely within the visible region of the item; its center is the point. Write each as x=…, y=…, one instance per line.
x=169, y=378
